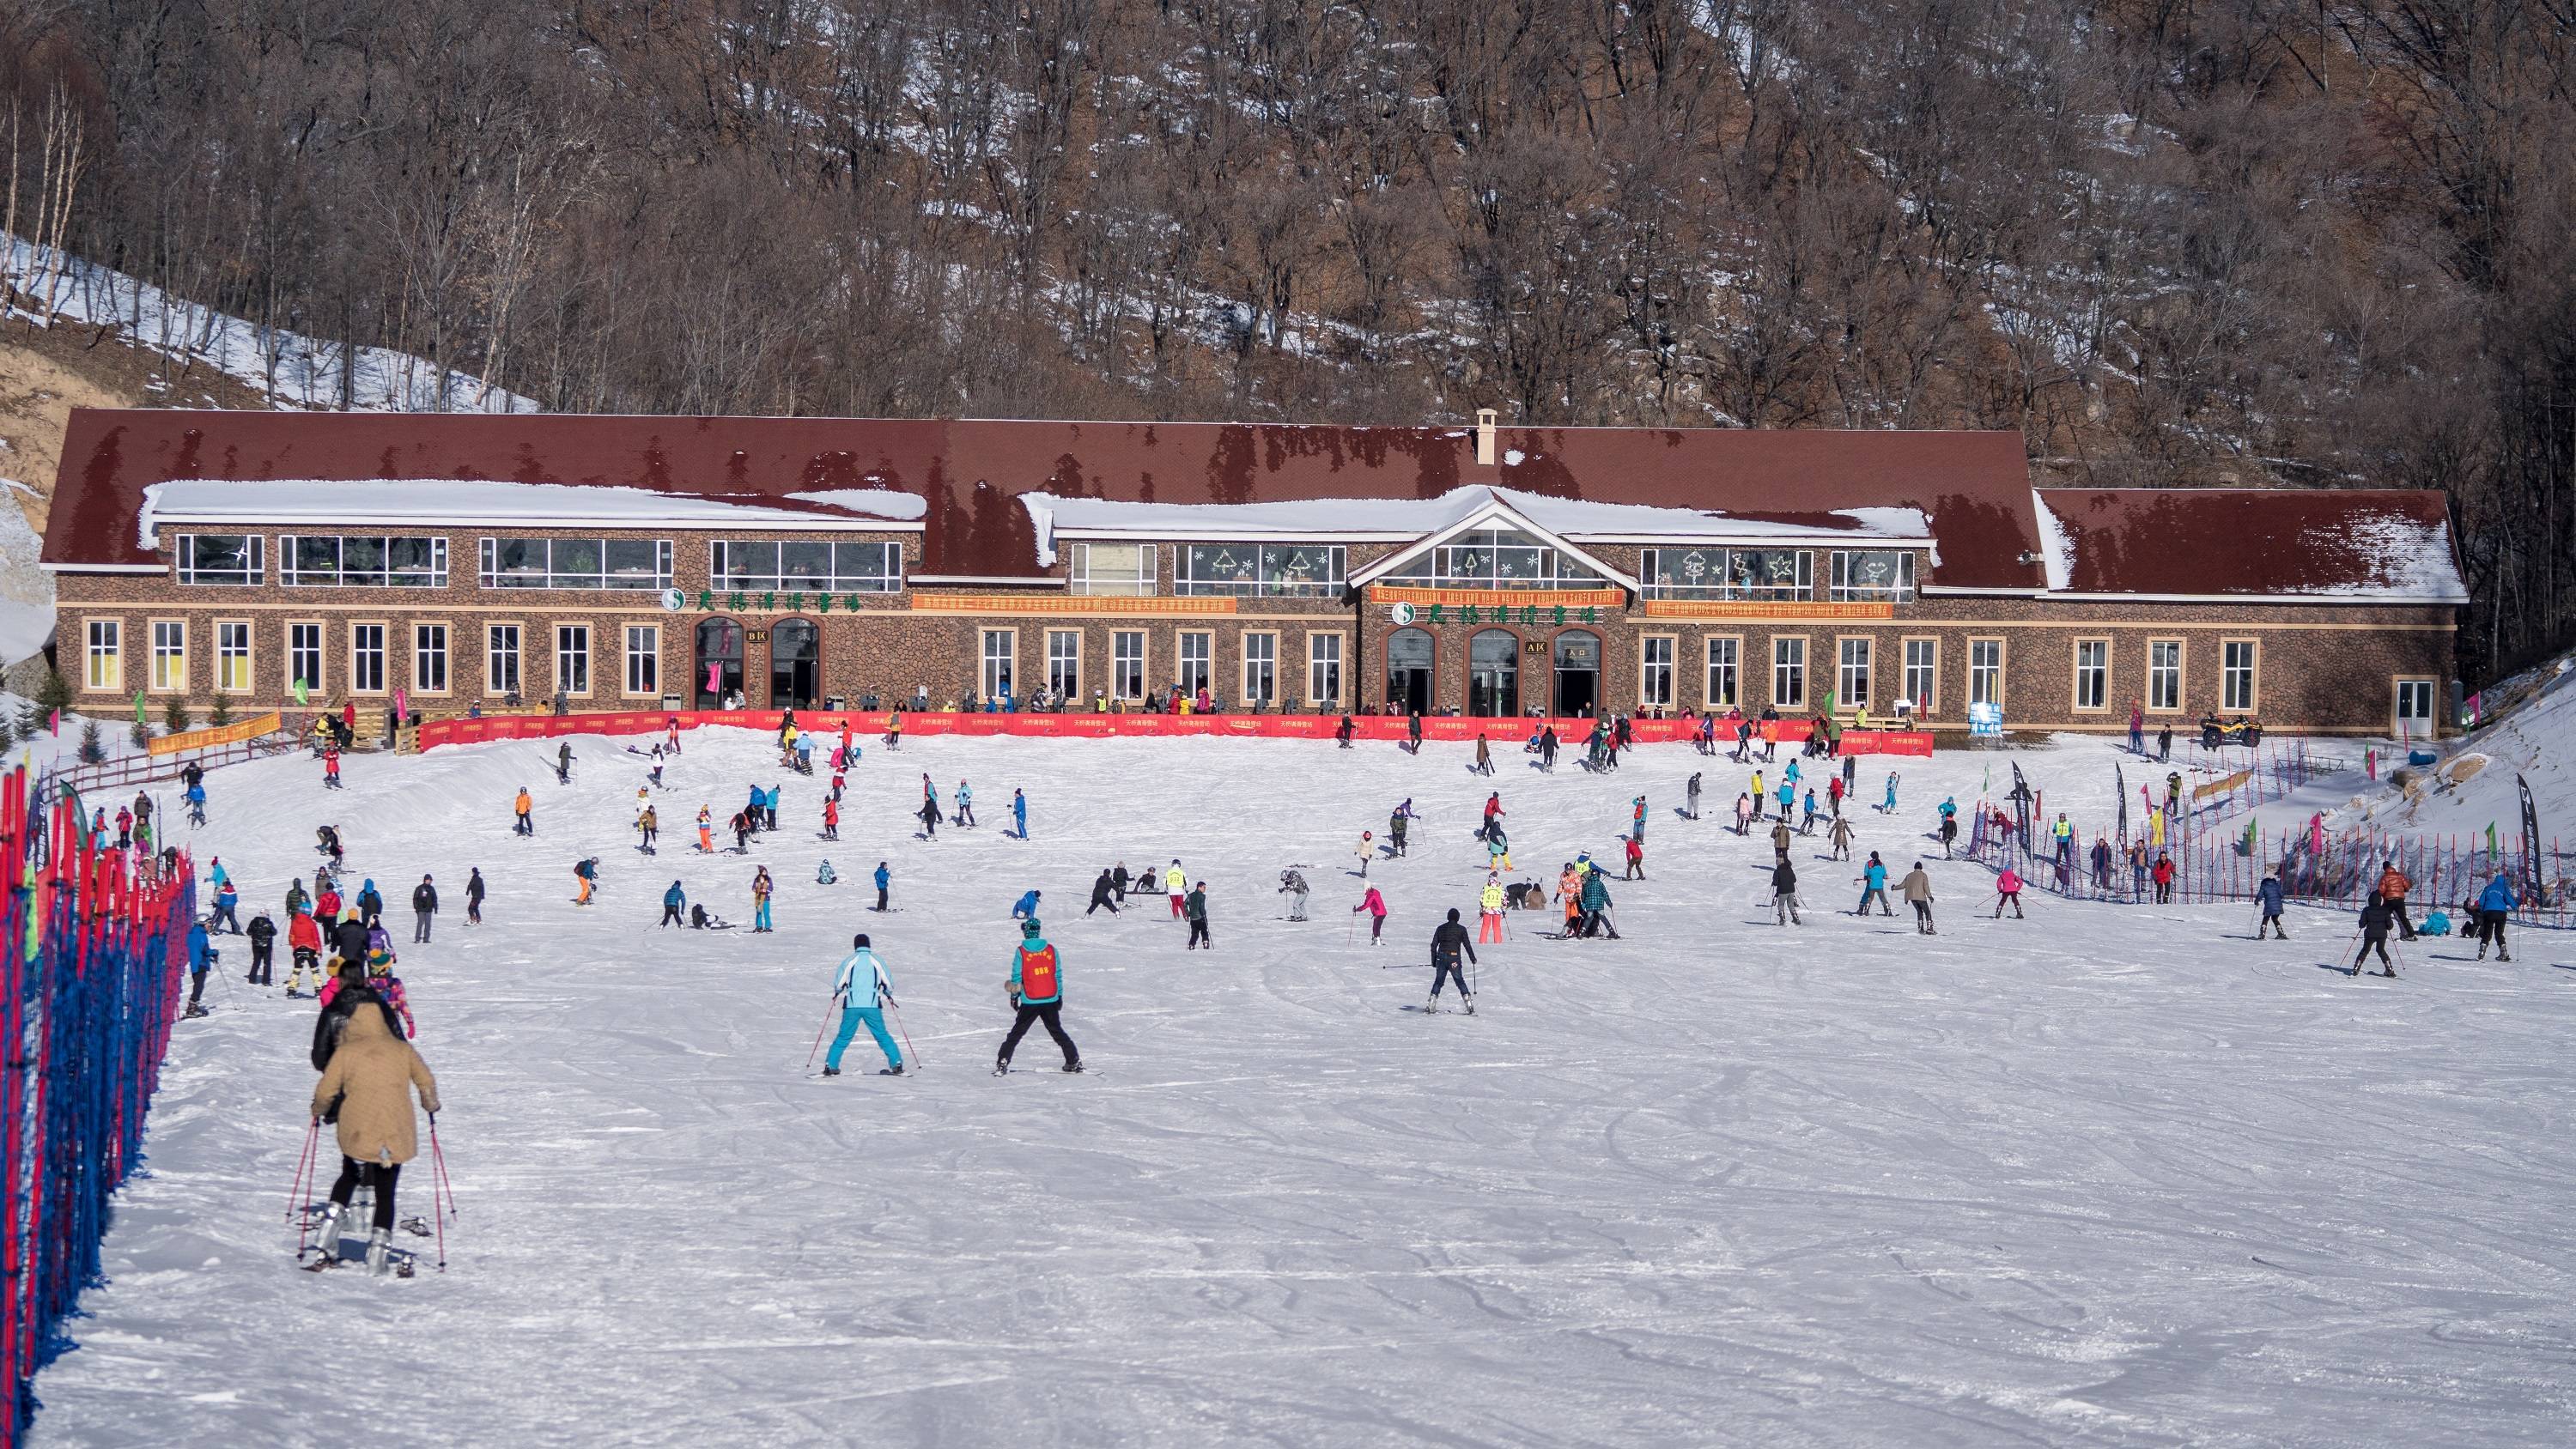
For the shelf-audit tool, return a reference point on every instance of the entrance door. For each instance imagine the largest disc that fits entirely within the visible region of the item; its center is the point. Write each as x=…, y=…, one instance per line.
x=795, y=665
x=1494, y=674
x=2415, y=709
x=1408, y=671
x=1578, y=673
x=719, y=662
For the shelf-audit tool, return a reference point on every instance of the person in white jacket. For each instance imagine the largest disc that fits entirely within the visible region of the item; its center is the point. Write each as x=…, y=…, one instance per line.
x=864, y=990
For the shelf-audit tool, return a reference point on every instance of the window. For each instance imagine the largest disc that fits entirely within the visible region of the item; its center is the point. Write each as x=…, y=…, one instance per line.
x=306, y=561
x=429, y=658
x=1197, y=660
x=304, y=655
x=1655, y=672
x=1494, y=558
x=1862, y=574
x=1722, y=684
x=106, y=655
x=2236, y=682
x=1323, y=668
x=1986, y=671
x=769, y=565
x=1728, y=573
x=2164, y=674
x=1000, y=647
x=2092, y=674
x=1851, y=673
x=1127, y=664
x=1273, y=571
x=367, y=658
x=577, y=563
x=1064, y=662
x=1922, y=675
x=572, y=658
x=644, y=659
x=170, y=655
x=501, y=659
x=1789, y=673
x=1124, y=569
x=221, y=558
x=1260, y=668
x=232, y=656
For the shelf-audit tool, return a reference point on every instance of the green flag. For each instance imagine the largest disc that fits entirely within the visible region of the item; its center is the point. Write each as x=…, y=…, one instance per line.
x=300, y=699
x=138, y=706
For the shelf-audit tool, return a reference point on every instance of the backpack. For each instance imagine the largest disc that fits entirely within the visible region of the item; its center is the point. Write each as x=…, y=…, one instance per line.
x=1037, y=974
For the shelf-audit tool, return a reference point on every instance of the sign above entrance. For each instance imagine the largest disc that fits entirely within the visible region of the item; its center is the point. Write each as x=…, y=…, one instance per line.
x=1763, y=609
x=1056, y=604
x=1513, y=600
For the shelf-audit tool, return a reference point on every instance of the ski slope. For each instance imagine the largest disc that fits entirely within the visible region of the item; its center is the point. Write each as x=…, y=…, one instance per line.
x=2113, y=1175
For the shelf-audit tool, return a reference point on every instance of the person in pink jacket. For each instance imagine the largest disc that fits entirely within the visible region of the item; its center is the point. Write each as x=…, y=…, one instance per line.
x=2008, y=893
x=1375, y=905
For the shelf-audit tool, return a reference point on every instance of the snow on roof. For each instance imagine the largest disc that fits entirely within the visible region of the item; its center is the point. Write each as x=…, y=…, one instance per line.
x=2056, y=550
x=356, y=500
x=2387, y=546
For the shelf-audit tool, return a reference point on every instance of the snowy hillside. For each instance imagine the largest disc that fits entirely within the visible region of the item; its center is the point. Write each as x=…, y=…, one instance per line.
x=2114, y=1175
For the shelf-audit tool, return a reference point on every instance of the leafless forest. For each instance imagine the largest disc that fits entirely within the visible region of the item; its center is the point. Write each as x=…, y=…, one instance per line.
x=2171, y=242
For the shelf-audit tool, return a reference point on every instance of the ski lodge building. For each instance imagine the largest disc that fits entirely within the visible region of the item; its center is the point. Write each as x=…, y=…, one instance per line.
x=653, y=562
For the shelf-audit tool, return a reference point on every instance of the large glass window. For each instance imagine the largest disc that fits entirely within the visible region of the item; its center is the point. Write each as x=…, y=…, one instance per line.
x=1789, y=673
x=169, y=654
x=1274, y=571
x=1873, y=573
x=232, y=656
x=1494, y=558
x=221, y=558
x=1197, y=660
x=501, y=660
x=1122, y=569
x=1986, y=671
x=1064, y=663
x=1922, y=675
x=106, y=655
x=1728, y=573
x=304, y=656
x=1655, y=673
x=1000, y=645
x=367, y=658
x=2238, y=659
x=1127, y=664
x=1851, y=674
x=642, y=564
x=2092, y=674
x=2164, y=674
x=1722, y=667
x=572, y=658
x=643, y=659
x=798, y=566
x=1323, y=668
x=342, y=561
x=429, y=658
x=1260, y=668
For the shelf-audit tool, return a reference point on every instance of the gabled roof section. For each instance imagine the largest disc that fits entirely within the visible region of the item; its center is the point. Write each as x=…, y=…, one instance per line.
x=2341, y=545
x=1477, y=513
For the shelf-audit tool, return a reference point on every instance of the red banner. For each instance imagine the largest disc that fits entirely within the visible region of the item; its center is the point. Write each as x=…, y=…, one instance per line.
x=1458, y=729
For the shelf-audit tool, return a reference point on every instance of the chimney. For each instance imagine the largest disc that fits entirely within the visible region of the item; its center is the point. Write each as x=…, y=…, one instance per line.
x=1484, y=437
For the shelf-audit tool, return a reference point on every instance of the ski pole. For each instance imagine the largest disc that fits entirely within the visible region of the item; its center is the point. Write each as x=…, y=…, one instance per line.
x=303, y=1170
x=818, y=1034
x=899, y=1031
x=438, y=1175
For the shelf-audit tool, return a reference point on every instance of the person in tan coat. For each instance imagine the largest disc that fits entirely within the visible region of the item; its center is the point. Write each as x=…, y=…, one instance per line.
x=367, y=1091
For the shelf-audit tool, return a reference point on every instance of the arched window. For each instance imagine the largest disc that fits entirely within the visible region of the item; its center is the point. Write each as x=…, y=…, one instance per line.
x=719, y=661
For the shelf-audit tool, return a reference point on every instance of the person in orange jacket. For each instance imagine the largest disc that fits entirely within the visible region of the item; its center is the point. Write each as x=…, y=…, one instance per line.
x=2393, y=886
x=706, y=831
x=522, y=806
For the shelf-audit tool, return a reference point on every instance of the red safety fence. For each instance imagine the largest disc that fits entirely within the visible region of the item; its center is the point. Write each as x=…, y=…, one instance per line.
x=875, y=723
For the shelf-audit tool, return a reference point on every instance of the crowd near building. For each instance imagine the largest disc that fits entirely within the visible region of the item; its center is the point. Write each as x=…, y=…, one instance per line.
x=469, y=562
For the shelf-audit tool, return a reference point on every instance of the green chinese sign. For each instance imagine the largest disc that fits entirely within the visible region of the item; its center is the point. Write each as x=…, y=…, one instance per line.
x=1530, y=614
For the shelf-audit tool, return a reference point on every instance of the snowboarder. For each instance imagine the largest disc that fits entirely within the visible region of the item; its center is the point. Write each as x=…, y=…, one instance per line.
x=1036, y=989
x=1447, y=940
x=761, y=888
x=474, y=896
x=1873, y=886
x=1195, y=908
x=1784, y=893
x=2008, y=893
x=2268, y=897
x=863, y=975
x=424, y=904
x=523, y=806
x=1917, y=890
x=367, y=1089
x=884, y=878
x=1293, y=886
x=675, y=906
x=584, y=873
x=1375, y=905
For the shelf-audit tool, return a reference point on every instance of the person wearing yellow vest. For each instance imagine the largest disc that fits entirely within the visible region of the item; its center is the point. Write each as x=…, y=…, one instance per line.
x=1177, y=884
x=1489, y=920
x=1037, y=995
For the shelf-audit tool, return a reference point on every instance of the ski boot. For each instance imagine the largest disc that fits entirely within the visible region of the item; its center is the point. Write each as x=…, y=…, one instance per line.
x=326, y=1229
x=380, y=1244
x=194, y=1010
x=1467, y=1004
x=889, y=1071
x=1431, y=1007
x=1073, y=1066
x=1001, y=1066
x=831, y=1071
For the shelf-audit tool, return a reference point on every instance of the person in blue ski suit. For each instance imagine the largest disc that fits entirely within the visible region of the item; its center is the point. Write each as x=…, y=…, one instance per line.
x=1020, y=814
x=675, y=907
x=965, y=803
x=2269, y=895
x=228, y=901
x=883, y=877
x=1025, y=908
x=863, y=978
x=201, y=956
x=2495, y=903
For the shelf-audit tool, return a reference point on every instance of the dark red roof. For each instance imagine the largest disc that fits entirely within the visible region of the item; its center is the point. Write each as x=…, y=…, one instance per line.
x=1974, y=486
x=2352, y=542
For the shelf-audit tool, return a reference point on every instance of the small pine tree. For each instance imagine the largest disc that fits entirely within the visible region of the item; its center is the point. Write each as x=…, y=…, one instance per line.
x=174, y=715
x=141, y=735
x=8, y=736
x=93, y=750
x=53, y=693
x=220, y=712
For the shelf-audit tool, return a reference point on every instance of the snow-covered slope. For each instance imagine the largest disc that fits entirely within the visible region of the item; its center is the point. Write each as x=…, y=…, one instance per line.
x=2112, y=1175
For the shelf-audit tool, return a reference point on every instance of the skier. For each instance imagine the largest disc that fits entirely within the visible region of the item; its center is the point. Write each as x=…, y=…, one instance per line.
x=327, y=905
x=1569, y=894
x=2376, y=917
x=367, y=1089
x=1743, y=813
x=1395, y=823
x=1176, y=885
x=929, y=815
x=1807, y=822
x=831, y=819
x=1890, y=807
x=1917, y=890
x=2163, y=876
x=2497, y=902
x=2268, y=896
x=1026, y=907
x=1494, y=813
x=304, y=939
x=196, y=798
x=331, y=767
x=1343, y=731
x=1547, y=747
x=1780, y=839
x=1489, y=914
x=884, y=877
x=847, y=988
x=1036, y=989
x=329, y=835
x=371, y=906
x=769, y=808
x=1484, y=757
x=1759, y=798
x=1019, y=815
x=1690, y=796
x=825, y=875
x=2008, y=893
x=1873, y=885
x=227, y=903
x=563, y=763
x=650, y=824
x=741, y=826
x=474, y=896
x=1834, y=795
x=1447, y=940
x=2393, y=886
x=424, y=904
x=1375, y=905
x=201, y=958
x=584, y=872
x=675, y=905
x=527, y=824
x=965, y=804
x=1840, y=837
x=761, y=888
x=1636, y=853
x=1596, y=906
x=1498, y=848
x=1195, y=907
x=1293, y=886
x=706, y=831
x=1788, y=795
x=1118, y=881
x=1784, y=893
x=263, y=947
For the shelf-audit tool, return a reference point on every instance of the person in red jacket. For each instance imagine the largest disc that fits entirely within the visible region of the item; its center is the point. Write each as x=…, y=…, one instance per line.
x=1375, y=905
x=831, y=819
x=2007, y=893
x=2163, y=876
x=304, y=939
x=1636, y=859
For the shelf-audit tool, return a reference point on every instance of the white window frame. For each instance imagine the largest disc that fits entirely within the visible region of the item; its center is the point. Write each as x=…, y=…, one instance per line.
x=103, y=653
x=992, y=663
x=725, y=552
x=337, y=577
x=307, y=641
x=643, y=675
x=1655, y=683
x=1722, y=679
x=183, y=557
x=2249, y=700
x=432, y=655
x=495, y=654
x=169, y=660
x=2098, y=666
x=358, y=656
x=1785, y=670
x=573, y=656
x=1082, y=578
x=1324, y=656
x=1848, y=700
x=1921, y=678
x=2172, y=674
x=1127, y=672
x=1986, y=681
x=1262, y=584
x=1841, y=591
x=1259, y=667
x=1064, y=647
x=2399, y=721
x=1206, y=662
x=231, y=646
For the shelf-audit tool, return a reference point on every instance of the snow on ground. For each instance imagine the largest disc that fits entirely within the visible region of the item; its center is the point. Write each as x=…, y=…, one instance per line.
x=2115, y=1175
